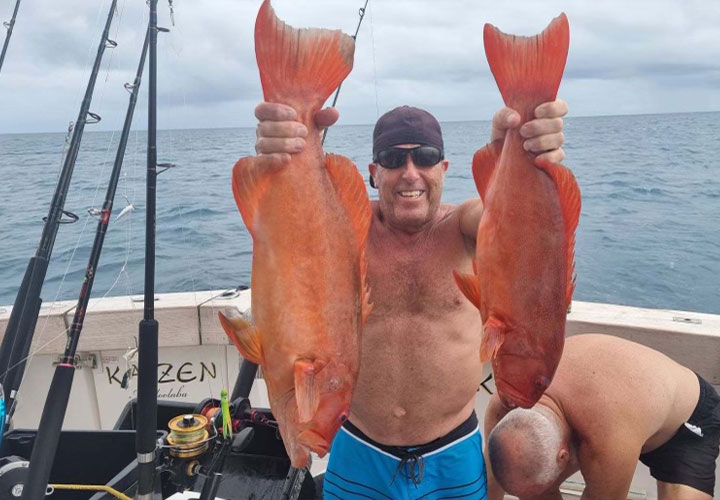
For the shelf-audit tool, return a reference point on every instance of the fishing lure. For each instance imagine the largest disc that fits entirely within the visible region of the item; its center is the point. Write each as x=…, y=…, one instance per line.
x=225, y=408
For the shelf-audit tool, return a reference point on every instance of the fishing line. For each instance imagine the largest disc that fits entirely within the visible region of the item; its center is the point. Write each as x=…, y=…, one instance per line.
x=42, y=334
x=104, y=164
x=92, y=45
x=119, y=18
x=372, y=37
x=99, y=179
x=173, y=50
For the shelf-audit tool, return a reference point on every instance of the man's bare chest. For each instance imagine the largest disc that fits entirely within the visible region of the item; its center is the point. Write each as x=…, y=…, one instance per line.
x=417, y=280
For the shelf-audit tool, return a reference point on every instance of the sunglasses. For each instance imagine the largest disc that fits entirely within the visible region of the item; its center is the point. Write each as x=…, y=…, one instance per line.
x=422, y=156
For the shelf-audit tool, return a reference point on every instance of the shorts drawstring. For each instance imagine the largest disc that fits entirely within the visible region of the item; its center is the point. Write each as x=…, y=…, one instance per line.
x=411, y=466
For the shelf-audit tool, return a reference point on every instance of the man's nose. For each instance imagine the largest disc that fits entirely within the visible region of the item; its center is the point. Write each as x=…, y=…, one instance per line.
x=410, y=170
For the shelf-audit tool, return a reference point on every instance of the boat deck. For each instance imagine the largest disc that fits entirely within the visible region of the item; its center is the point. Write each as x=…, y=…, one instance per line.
x=196, y=360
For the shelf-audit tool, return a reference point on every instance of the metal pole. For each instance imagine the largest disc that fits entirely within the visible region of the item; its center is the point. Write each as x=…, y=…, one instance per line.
x=148, y=329
x=9, y=25
x=21, y=325
x=244, y=380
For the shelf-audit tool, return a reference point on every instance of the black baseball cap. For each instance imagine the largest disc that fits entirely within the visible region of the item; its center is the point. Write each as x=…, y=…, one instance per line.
x=406, y=125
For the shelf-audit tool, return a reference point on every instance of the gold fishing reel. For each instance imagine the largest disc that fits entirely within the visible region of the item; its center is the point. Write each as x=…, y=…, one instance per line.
x=188, y=436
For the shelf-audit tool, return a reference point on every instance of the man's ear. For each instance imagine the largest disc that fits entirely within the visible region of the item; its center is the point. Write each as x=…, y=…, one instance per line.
x=563, y=457
x=446, y=165
x=373, y=168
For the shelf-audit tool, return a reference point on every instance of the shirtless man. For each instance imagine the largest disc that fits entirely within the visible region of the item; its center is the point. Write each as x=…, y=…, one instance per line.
x=412, y=430
x=611, y=403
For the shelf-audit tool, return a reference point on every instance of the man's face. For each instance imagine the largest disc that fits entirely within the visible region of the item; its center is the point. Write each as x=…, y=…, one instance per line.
x=410, y=194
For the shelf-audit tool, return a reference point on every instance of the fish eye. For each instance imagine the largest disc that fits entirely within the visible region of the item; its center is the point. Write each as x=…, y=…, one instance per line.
x=542, y=383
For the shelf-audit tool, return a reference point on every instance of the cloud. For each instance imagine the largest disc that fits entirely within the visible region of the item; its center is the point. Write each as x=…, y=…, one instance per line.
x=639, y=56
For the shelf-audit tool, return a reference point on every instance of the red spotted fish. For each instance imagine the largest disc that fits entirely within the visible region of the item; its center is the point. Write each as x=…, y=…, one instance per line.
x=309, y=221
x=523, y=270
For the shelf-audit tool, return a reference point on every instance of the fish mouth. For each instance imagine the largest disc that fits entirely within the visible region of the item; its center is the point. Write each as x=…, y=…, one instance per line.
x=511, y=397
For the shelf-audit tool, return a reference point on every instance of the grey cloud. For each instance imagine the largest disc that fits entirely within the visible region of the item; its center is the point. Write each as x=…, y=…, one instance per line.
x=425, y=50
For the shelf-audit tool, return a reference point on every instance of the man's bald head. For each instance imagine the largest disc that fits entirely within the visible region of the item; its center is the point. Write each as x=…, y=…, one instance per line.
x=523, y=450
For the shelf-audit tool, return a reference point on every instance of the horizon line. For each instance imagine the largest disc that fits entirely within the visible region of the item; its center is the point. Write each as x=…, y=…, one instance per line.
x=364, y=124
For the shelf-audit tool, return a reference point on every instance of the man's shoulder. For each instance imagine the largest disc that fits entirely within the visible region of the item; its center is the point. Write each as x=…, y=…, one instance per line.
x=447, y=211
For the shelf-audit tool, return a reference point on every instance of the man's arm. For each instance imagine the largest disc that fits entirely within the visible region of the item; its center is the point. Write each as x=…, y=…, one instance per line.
x=608, y=471
x=470, y=212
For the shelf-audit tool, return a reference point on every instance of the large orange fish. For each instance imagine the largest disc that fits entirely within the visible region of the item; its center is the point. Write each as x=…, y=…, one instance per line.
x=309, y=221
x=523, y=280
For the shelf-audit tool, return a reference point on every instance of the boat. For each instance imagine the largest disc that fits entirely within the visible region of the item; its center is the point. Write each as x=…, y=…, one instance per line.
x=97, y=456
x=196, y=360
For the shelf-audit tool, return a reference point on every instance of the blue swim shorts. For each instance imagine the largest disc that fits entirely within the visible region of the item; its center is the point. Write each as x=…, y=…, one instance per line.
x=450, y=467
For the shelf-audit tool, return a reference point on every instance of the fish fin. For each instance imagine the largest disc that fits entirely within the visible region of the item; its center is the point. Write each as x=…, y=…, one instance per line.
x=299, y=65
x=493, y=337
x=245, y=336
x=314, y=441
x=251, y=179
x=528, y=69
x=483, y=165
x=350, y=187
x=307, y=392
x=570, y=202
x=467, y=283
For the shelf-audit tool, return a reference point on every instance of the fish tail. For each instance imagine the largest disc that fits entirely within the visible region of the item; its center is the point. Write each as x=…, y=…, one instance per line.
x=300, y=65
x=528, y=69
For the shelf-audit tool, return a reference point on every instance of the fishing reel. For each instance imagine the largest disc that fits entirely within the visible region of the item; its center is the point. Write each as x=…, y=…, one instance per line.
x=13, y=475
x=196, y=446
x=189, y=437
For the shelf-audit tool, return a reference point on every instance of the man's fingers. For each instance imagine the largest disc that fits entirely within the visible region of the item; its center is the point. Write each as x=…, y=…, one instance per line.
x=280, y=145
x=503, y=120
x=554, y=156
x=274, y=112
x=543, y=143
x=326, y=117
x=272, y=160
x=554, y=109
x=281, y=129
x=541, y=126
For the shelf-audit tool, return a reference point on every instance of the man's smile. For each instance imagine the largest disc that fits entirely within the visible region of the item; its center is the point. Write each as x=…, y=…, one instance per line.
x=411, y=193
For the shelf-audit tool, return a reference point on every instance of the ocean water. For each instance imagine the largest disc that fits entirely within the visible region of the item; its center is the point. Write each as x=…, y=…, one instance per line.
x=649, y=232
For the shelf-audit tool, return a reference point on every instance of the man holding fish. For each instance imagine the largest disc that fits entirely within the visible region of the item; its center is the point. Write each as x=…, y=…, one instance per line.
x=412, y=430
x=419, y=369
x=411, y=421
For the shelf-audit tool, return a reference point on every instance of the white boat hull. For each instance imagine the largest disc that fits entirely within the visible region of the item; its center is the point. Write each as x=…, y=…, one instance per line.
x=197, y=361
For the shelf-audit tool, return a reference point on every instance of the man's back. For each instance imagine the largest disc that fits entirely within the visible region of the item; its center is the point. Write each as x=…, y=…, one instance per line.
x=609, y=387
x=420, y=366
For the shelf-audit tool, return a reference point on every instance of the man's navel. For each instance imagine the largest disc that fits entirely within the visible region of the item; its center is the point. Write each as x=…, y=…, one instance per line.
x=399, y=412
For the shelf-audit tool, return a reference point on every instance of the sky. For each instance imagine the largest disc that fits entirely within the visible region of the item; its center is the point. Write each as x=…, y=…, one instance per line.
x=626, y=57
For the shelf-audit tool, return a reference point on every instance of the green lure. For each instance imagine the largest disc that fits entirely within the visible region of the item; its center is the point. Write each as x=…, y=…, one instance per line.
x=225, y=408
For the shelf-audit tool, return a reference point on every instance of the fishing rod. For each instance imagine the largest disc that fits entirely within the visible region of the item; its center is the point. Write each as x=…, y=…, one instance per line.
x=146, y=434
x=48, y=435
x=21, y=324
x=9, y=25
x=361, y=13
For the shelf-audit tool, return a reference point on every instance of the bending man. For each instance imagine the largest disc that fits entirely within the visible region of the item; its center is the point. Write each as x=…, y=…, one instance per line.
x=611, y=403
